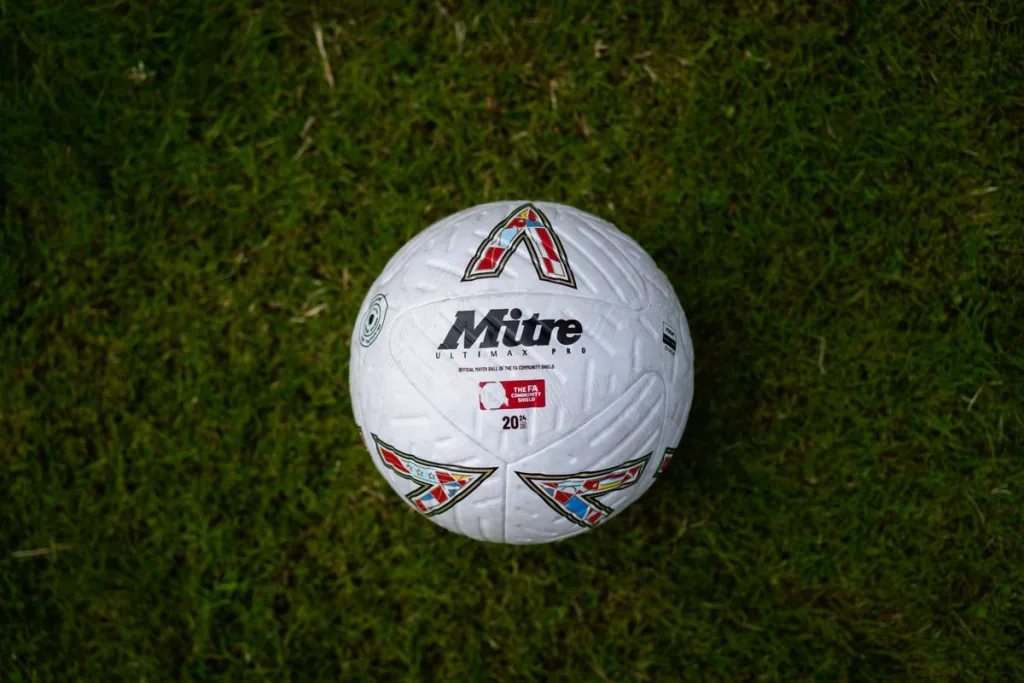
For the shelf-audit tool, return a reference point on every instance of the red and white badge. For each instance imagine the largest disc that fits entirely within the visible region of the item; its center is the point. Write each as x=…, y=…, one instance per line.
x=513, y=394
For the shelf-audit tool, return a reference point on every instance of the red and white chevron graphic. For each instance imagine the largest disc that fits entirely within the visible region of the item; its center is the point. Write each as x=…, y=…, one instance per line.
x=526, y=225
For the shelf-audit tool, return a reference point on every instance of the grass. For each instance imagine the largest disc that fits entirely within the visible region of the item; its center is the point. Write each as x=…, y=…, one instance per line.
x=835, y=190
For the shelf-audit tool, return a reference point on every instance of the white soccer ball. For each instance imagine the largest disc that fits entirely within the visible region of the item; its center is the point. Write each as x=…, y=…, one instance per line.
x=521, y=372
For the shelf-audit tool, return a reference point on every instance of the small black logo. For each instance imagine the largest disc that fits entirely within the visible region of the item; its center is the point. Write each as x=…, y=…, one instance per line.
x=373, y=321
x=668, y=337
x=514, y=332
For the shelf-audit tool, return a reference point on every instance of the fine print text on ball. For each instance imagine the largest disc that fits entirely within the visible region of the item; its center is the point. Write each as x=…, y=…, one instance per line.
x=501, y=368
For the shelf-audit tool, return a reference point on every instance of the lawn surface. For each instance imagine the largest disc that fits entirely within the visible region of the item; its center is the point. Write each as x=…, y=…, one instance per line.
x=192, y=213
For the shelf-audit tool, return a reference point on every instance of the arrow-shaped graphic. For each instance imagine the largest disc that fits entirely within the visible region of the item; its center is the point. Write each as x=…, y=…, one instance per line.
x=440, y=486
x=526, y=225
x=575, y=496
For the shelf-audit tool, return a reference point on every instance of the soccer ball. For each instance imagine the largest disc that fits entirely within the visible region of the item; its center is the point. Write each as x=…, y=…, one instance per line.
x=521, y=372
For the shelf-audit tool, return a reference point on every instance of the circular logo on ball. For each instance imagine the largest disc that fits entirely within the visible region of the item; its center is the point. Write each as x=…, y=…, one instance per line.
x=373, y=321
x=492, y=395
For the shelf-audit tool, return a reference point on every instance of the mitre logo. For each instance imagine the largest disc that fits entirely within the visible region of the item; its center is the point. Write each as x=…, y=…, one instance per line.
x=510, y=329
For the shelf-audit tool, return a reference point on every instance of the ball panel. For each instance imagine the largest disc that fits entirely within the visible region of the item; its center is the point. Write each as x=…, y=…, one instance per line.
x=464, y=498
x=628, y=429
x=606, y=354
x=604, y=261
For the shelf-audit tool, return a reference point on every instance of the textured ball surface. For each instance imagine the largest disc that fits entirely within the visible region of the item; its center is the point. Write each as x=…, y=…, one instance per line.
x=521, y=372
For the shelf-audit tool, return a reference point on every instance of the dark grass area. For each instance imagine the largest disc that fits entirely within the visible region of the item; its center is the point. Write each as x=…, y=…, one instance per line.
x=836, y=191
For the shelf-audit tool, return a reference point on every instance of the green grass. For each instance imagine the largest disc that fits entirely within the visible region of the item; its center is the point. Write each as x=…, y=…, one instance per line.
x=837, y=195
